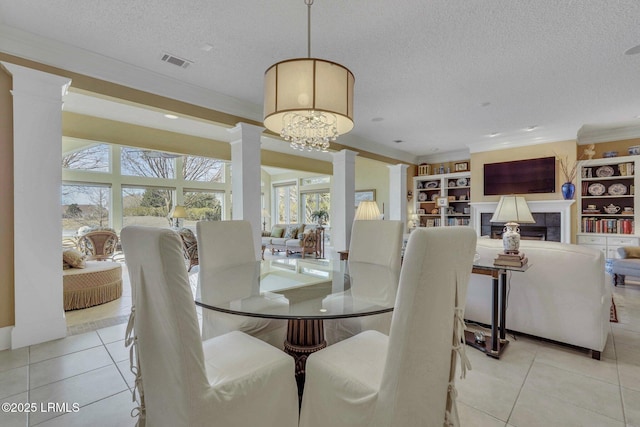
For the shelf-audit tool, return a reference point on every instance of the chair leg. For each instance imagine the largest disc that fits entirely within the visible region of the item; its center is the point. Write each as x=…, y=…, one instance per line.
x=595, y=354
x=618, y=279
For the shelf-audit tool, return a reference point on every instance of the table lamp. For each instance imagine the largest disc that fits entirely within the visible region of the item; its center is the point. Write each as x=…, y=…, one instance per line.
x=367, y=210
x=265, y=215
x=177, y=213
x=415, y=219
x=512, y=210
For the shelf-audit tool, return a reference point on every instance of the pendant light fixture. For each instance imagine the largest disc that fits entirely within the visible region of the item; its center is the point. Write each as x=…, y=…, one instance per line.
x=308, y=101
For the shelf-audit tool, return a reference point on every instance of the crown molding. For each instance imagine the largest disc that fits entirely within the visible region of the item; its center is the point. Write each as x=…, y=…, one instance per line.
x=593, y=134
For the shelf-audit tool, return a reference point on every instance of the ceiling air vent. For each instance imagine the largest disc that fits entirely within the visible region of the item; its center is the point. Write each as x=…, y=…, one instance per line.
x=172, y=59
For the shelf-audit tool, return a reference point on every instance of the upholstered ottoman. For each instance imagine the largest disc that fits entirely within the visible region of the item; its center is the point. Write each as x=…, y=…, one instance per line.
x=97, y=283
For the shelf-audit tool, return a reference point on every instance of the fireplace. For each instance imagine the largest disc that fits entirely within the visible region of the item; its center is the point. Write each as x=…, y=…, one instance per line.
x=554, y=215
x=546, y=227
x=526, y=233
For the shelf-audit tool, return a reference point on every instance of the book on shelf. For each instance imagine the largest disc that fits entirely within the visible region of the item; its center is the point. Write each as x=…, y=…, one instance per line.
x=508, y=263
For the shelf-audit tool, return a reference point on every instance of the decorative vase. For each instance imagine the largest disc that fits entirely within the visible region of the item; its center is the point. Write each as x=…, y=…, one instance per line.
x=511, y=238
x=568, y=188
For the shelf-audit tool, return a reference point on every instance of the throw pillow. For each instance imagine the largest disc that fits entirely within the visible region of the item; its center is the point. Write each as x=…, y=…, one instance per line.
x=277, y=232
x=292, y=232
x=632, y=251
x=74, y=258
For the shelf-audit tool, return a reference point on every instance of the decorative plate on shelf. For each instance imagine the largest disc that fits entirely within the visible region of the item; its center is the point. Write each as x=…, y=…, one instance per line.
x=604, y=171
x=452, y=183
x=617, y=189
x=422, y=197
x=419, y=184
x=434, y=196
x=462, y=182
x=431, y=184
x=596, y=189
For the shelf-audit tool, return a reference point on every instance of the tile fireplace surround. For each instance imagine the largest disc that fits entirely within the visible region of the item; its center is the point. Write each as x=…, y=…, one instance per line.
x=563, y=207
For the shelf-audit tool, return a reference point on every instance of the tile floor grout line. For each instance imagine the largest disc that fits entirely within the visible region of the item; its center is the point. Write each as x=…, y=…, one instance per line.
x=524, y=380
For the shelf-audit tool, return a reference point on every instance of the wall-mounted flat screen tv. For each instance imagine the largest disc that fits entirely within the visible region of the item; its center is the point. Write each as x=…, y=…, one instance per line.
x=520, y=177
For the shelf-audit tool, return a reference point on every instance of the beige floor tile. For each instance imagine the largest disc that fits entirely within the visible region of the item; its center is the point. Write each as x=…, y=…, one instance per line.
x=10, y=359
x=629, y=373
x=14, y=381
x=472, y=417
x=14, y=418
x=580, y=363
x=118, y=351
x=63, y=346
x=535, y=409
x=512, y=367
x=576, y=389
x=626, y=337
x=125, y=371
x=113, y=333
x=110, y=412
x=62, y=367
x=81, y=389
x=631, y=402
x=491, y=395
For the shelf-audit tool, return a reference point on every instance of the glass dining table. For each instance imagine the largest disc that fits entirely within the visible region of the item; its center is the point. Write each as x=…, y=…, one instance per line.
x=305, y=292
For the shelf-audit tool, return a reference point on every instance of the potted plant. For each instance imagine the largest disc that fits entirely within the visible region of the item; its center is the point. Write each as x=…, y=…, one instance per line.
x=321, y=215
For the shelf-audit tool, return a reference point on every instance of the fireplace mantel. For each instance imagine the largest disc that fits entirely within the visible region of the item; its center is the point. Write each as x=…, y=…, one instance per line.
x=563, y=207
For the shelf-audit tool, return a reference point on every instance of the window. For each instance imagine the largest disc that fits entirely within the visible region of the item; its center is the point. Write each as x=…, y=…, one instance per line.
x=202, y=169
x=203, y=206
x=324, y=179
x=84, y=205
x=286, y=198
x=95, y=157
x=155, y=164
x=146, y=206
x=313, y=201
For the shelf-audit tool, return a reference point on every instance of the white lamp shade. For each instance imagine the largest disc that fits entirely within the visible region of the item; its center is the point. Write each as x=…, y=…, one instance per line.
x=308, y=84
x=367, y=210
x=179, y=212
x=513, y=209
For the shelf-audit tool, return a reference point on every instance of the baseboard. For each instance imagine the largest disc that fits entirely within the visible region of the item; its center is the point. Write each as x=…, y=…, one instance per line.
x=5, y=337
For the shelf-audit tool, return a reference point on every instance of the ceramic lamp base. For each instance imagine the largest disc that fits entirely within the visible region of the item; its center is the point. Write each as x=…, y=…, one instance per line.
x=511, y=238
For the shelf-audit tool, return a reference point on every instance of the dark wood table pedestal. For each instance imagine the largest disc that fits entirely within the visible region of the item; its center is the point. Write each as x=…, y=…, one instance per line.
x=498, y=313
x=304, y=336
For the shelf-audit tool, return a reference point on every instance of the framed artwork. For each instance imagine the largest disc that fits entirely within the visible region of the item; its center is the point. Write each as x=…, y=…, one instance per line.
x=365, y=195
x=442, y=202
x=461, y=167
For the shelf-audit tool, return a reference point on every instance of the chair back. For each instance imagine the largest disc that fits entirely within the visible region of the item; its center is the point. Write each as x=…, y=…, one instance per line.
x=98, y=245
x=169, y=348
x=377, y=242
x=222, y=244
x=426, y=327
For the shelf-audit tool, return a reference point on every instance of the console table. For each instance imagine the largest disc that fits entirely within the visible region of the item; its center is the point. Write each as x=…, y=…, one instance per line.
x=498, y=274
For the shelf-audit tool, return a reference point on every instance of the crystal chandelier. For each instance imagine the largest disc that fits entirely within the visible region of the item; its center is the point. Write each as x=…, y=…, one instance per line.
x=308, y=101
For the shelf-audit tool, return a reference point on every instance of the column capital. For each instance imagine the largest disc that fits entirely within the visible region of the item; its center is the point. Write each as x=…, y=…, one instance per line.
x=245, y=132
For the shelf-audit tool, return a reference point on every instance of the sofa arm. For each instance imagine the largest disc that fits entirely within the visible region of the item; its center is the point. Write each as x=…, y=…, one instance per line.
x=629, y=252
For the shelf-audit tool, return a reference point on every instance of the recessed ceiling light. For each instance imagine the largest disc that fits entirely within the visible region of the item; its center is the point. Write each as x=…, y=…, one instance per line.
x=171, y=116
x=634, y=50
x=485, y=104
x=530, y=128
x=206, y=47
x=398, y=141
x=637, y=117
x=377, y=119
x=494, y=134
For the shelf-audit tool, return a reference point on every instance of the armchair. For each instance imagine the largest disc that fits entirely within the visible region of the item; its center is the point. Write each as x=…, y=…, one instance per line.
x=627, y=265
x=98, y=245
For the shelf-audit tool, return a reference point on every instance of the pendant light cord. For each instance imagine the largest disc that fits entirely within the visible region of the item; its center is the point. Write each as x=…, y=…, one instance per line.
x=308, y=3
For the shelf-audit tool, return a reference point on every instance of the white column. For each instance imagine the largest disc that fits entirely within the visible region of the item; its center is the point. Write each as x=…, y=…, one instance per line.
x=343, y=196
x=37, y=152
x=245, y=184
x=398, y=193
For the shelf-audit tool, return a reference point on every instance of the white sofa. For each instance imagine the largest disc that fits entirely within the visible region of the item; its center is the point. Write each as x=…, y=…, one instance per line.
x=563, y=296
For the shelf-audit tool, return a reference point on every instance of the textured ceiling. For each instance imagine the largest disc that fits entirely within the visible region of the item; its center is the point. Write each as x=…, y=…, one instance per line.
x=443, y=75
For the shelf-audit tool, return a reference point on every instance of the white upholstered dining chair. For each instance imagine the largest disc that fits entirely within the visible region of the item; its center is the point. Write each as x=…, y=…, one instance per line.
x=221, y=246
x=406, y=379
x=231, y=380
x=378, y=244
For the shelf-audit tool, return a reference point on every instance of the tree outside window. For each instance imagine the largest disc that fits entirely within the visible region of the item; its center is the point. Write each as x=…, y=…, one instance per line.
x=84, y=205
